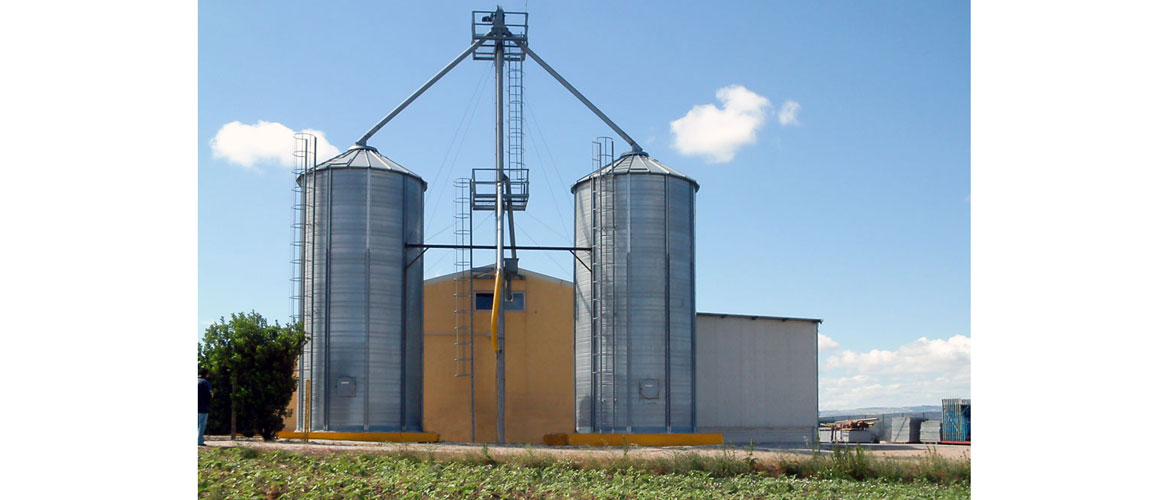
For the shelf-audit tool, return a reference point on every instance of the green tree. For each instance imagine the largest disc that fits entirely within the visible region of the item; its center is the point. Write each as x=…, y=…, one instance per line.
x=251, y=366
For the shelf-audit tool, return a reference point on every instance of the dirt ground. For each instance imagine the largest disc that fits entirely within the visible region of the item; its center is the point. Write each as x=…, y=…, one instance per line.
x=761, y=452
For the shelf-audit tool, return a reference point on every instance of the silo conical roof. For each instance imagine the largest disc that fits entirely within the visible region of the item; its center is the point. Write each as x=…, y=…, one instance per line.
x=638, y=163
x=366, y=157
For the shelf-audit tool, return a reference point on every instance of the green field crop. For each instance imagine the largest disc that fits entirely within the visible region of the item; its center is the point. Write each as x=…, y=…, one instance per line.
x=248, y=473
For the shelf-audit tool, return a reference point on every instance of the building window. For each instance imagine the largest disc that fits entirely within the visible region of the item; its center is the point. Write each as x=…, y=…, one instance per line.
x=483, y=301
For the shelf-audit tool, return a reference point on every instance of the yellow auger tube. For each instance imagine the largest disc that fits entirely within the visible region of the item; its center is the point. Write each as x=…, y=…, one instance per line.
x=496, y=310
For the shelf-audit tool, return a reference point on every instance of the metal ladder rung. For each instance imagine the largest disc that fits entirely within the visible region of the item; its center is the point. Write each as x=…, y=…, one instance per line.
x=462, y=283
x=603, y=312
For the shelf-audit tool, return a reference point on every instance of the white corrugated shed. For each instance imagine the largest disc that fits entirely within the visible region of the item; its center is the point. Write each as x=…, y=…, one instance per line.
x=756, y=377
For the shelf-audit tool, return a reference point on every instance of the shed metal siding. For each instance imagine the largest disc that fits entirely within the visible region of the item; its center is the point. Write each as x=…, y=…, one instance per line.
x=757, y=378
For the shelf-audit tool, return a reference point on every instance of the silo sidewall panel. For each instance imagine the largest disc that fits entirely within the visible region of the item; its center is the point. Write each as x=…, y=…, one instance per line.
x=386, y=265
x=682, y=307
x=320, y=218
x=348, y=300
x=646, y=296
x=582, y=286
x=625, y=389
x=413, y=311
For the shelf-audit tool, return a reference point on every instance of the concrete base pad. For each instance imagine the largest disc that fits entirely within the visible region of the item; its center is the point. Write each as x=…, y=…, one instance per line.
x=397, y=437
x=641, y=439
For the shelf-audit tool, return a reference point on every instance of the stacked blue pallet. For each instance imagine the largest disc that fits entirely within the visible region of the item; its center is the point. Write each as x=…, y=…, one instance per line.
x=956, y=420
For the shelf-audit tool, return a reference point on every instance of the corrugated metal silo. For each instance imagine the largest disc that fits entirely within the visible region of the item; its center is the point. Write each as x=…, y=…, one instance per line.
x=634, y=314
x=361, y=371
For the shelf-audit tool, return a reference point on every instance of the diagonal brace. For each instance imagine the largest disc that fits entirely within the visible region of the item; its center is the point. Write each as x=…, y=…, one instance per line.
x=557, y=76
x=425, y=86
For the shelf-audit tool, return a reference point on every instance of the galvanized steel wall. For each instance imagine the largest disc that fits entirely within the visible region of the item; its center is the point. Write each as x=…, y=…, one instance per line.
x=361, y=304
x=653, y=304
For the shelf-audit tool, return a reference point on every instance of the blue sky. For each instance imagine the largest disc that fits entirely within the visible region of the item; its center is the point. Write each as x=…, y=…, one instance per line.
x=857, y=212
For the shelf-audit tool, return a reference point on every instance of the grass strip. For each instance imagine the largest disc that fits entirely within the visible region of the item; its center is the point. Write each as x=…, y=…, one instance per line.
x=242, y=472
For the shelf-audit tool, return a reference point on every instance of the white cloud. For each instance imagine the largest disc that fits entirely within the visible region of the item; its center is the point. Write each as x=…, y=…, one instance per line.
x=718, y=133
x=788, y=113
x=825, y=343
x=919, y=356
x=263, y=143
x=860, y=391
x=920, y=372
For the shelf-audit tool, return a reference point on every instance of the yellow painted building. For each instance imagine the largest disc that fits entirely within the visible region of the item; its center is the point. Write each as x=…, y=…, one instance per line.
x=538, y=371
x=538, y=339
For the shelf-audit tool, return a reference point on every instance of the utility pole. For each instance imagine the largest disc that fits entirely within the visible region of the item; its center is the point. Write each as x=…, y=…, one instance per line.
x=499, y=29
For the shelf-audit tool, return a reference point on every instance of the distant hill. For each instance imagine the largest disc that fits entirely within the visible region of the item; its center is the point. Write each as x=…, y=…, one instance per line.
x=879, y=410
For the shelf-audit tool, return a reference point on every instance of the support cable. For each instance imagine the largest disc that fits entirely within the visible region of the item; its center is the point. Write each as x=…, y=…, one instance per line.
x=373, y=130
x=552, y=159
x=461, y=137
x=548, y=183
x=554, y=230
x=580, y=97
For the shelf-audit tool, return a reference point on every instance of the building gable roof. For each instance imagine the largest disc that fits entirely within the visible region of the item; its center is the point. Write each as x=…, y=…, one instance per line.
x=489, y=272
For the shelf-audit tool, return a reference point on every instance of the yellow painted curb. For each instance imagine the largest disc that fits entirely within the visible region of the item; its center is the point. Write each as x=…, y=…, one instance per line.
x=397, y=437
x=658, y=439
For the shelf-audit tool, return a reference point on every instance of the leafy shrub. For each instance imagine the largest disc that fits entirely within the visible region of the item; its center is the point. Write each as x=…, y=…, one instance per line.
x=251, y=364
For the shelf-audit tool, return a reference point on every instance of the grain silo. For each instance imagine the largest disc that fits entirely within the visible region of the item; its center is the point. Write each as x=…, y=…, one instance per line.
x=361, y=297
x=634, y=325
